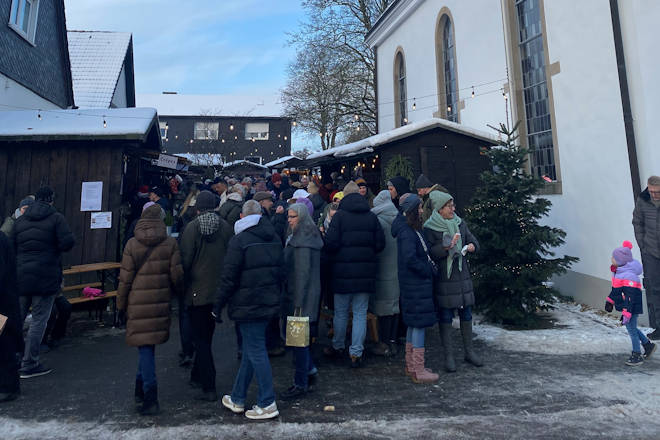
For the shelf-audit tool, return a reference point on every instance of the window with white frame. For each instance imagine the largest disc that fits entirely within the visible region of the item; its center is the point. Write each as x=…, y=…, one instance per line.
x=451, y=92
x=257, y=131
x=400, y=94
x=23, y=18
x=206, y=130
x=163, y=129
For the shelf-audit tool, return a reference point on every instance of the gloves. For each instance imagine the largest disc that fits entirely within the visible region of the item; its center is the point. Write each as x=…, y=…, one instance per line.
x=121, y=318
x=608, y=307
x=613, y=268
x=625, y=317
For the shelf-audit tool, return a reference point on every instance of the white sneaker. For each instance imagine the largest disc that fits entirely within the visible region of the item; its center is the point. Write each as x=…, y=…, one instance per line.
x=257, y=413
x=227, y=403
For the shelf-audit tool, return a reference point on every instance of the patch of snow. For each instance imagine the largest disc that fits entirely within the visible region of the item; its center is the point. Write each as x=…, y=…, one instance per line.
x=577, y=331
x=368, y=144
x=132, y=123
x=96, y=62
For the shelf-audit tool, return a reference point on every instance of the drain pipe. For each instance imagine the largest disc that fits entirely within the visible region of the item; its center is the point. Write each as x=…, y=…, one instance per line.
x=625, y=99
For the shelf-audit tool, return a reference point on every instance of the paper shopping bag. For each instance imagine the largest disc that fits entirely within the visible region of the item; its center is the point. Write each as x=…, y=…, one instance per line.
x=3, y=322
x=297, y=331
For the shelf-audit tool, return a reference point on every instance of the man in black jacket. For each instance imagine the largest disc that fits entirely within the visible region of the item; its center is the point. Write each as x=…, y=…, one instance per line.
x=251, y=285
x=353, y=238
x=41, y=235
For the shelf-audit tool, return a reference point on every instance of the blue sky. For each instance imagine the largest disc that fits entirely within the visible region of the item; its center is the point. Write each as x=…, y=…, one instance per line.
x=199, y=47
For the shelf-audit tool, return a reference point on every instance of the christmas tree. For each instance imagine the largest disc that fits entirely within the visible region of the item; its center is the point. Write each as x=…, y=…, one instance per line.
x=515, y=260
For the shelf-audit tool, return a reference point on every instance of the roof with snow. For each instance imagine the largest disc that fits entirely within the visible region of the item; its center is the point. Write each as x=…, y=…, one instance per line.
x=212, y=105
x=96, y=62
x=244, y=162
x=110, y=123
x=280, y=160
x=368, y=145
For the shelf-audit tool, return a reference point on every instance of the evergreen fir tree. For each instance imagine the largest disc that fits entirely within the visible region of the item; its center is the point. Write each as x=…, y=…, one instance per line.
x=516, y=258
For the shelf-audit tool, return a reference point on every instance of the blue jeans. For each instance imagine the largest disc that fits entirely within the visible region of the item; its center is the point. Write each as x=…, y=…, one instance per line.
x=446, y=315
x=254, y=362
x=41, y=307
x=636, y=334
x=343, y=302
x=302, y=357
x=416, y=335
x=147, y=367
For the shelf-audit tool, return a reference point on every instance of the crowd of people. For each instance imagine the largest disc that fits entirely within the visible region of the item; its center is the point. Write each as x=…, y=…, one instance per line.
x=263, y=250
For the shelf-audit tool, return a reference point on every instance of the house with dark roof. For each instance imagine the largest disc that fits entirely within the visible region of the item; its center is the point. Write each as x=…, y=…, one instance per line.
x=34, y=61
x=102, y=69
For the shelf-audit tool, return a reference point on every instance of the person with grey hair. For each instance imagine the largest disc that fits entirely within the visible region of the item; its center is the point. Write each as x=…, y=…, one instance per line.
x=302, y=296
x=8, y=225
x=646, y=222
x=250, y=286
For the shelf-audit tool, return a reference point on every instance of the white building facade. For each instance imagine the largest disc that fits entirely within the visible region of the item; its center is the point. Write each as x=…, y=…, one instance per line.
x=558, y=67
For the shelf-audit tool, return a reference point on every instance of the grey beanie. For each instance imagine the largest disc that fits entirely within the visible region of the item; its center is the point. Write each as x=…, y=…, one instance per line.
x=423, y=182
x=205, y=201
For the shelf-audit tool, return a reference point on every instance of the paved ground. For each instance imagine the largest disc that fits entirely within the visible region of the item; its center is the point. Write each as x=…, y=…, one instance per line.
x=515, y=395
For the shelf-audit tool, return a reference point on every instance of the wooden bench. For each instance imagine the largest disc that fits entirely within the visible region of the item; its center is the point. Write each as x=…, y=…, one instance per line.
x=101, y=269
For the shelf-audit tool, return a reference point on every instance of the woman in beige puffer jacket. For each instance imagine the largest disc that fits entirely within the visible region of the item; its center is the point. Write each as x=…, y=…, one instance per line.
x=150, y=274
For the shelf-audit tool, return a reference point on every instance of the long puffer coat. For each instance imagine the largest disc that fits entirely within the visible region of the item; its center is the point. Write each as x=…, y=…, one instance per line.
x=386, y=300
x=354, y=238
x=457, y=290
x=415, y=277
x=253, y=274
x=646, y=222
x=145, y=292
x=41, y=235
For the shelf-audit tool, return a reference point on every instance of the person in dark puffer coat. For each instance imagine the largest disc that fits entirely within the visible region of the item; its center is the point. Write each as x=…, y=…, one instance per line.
x=251, y=287
x=12, y=336
x=448, y=234
x=41, y=235
x=353, y=238
x=415, y=285
x=150, y=274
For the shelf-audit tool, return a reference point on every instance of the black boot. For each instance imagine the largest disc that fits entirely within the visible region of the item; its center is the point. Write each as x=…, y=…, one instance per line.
x=447, y=349
x=139, y=392
x=470, y=355
x=150, y=406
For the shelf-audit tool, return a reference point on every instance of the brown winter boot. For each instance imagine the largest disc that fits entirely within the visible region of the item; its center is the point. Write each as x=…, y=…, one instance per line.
x=409, y=361
x=421, y=374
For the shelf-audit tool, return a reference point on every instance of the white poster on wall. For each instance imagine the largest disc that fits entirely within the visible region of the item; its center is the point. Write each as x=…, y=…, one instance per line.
x=101, y=220
x=91, y=196
x=167, y=161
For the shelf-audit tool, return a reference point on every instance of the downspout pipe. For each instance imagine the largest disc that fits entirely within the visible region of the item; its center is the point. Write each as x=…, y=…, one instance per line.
x=625, y=99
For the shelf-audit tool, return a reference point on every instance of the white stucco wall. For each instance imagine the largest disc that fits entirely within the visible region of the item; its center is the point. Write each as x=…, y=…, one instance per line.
x=639, y=25
x=119, y=98
x=480, y=59
x=595, y=208
x=14, y=96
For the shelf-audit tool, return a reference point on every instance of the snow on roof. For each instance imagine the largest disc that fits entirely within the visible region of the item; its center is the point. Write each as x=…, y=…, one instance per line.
x=367, y=145
x=96, y=62
x=212, y=105
x=203, y=159
x=280, y=160
x=241, y=162
x=117, y=123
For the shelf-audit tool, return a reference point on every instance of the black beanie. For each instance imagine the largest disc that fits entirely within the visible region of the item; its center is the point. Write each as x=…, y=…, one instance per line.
x=423, y=182
x=44, y=194
x=206, y=201
x=401, y=184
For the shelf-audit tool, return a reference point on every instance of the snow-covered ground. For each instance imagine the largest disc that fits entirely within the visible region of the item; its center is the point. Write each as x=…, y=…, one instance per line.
x=579, y=330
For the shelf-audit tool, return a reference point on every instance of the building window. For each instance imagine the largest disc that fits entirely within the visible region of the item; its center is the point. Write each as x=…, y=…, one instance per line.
x=535, y=89
x=163, y=129
x=257, y=131
x=449, y=64
x=206, y=130
x=23, y=18
x=400, y=101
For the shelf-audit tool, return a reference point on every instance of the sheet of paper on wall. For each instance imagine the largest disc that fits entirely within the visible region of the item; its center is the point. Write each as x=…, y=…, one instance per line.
x=101, y=220
x=91, y=196
x=3, y=322
x=167, y=161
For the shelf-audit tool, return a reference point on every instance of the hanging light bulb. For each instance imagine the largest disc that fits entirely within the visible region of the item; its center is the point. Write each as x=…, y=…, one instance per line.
x=473, y=91
x=105, y=124
x=405, y=120
x=414, y=106
x=176, y=136
x=223, y=141
x=231, y=126
x=167, y=125
x=235, y=137
x=505, y=96
x=294, y=123
x=39, y=115
x=449, y=108
x=356, y=117
x=285, y=138
x=358, y=128
x=191, y=141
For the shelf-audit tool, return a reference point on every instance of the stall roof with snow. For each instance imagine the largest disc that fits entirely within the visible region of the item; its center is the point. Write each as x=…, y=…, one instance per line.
x=102, y=69
x=447, y=153
x=286, y=162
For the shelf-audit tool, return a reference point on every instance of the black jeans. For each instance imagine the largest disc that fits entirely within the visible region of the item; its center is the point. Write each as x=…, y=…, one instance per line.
x=652, y=285
x=185, y=330
x=388, y=327
x=203, y=326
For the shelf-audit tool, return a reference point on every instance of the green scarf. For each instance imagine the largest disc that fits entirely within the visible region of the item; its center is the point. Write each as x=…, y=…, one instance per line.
x=450, y=227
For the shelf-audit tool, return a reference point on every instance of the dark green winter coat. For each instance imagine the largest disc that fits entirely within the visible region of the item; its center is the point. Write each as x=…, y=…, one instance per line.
x=203, y=247
x=230, y=211
x=457, y=290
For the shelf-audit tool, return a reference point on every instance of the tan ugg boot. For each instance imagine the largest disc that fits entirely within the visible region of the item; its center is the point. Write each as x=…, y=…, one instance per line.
x=409, y=361
x=421, y=374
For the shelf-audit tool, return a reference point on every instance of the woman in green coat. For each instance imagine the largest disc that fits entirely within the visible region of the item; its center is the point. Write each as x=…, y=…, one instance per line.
x=302, y=296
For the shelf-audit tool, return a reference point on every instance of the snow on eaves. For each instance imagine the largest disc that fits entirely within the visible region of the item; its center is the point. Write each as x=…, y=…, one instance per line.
x=279, y=161
x=242, y=161
x=368, y=144
x=97, y=59
x=124, y=123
